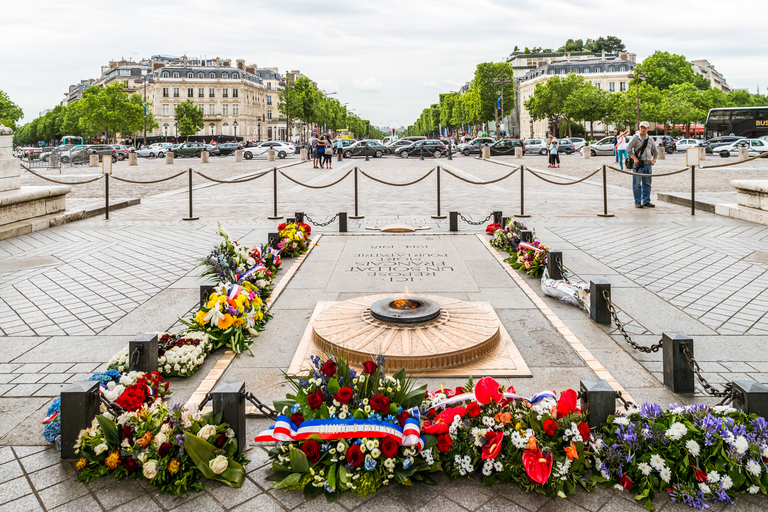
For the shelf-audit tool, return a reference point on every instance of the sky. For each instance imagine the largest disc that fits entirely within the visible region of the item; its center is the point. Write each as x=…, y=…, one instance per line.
x=387, y=60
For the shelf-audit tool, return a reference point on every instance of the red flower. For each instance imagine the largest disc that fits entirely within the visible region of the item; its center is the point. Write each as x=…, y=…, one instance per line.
x=444, y=443
x=493, y=446
x=550, y=427
x=584, y=431
x=488, y=389
x=380, y=404
x=369, y=367
x=473, y=409
x=354, y=456
x=434, y=428
x=491, y=228
x=538, y=465
x=700, y=475
x=329, y=368
x=505, y=402
x=344, y=395
x=315, y=400
x=311, y=449
x=567, y=403
x=220, y=440
x=389, y=446
x=449, y=393
x=296, y=419
x=281, y=227
x=133, y=397
x=402, y=417
x=129, y=463
x=626, y=482
x=164, y=449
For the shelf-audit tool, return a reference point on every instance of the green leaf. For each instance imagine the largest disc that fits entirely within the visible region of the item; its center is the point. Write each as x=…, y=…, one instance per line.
x=201, y=452
x=360, y=415
x=311, y=492
x=110, y=431
x=333, y=386
x=332, y=476
x=284, y=405
x=290, y=481
x=299, y=461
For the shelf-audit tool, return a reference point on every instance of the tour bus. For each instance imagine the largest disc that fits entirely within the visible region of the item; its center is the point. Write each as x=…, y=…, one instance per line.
x=750, y=122
x=72, y=140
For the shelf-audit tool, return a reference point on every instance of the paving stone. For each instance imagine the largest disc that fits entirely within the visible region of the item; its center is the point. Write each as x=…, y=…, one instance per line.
x=10, y=470
x=27, y=378
x=52, y=475
x=200, y=503
x=14, y=489
x=85, y=504
x=22, y=390
x=500, y=504
x=262, y=502
x=443, y=504
x=229, y=497
x=143, y=503
x=40, y=460
x=25, y=504
x=118, y=492
x=467, y=493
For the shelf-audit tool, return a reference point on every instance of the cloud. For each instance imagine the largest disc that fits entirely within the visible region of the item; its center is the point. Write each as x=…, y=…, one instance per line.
x=431, y=84
x=370, y=84
x=444, y=85
x=328, y=85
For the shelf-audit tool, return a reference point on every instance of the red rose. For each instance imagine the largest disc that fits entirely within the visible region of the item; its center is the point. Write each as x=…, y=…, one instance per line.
x=344, y=395
x=329, y=368
x=129, y=463
x=220, y=440
x=626, y=482
x=315, y=399
x=369, y=367
x=567, y=403
x=281, y=227
x=700, y=475
x=389, y=447
x=354, y=456
x=380, y=404
x=550, y=427
x=493, y=446
x=487, y=389
x=311, y=449
x=164, y=449
x=444, y=443
x=491, y=228
x=296, y=419
x=473, y=409
x=402, y=417
x=584, y=431
x=450, y=393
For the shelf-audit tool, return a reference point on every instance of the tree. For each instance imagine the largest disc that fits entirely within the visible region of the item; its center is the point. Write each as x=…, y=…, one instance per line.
x=489, y=92
x=550, y=99
x=664, y=69
x=588, y=103
x=9, y=111
x=110, y=110
x=190, y=118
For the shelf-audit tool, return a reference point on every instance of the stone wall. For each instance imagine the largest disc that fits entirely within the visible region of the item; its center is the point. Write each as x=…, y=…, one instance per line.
x=9, y=166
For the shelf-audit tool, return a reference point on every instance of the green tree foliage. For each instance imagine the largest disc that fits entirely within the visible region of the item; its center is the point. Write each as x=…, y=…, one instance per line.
x=664, y=69
x=111, y=110
x=611, y=44
x=551, y=99
x=190, y=118
x=588, y=103
x=9, y=111
x=489, y=92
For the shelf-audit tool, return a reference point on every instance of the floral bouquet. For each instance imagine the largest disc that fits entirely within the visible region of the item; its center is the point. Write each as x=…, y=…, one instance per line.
x=147, y=388
x=540, y=443
x=294, y=238
x=530, y=258
x=233, y=315
x=699, y=455
x=171, y=448
x=506, y=238
x=491, y=229
x=179, y=354
x=340, y=431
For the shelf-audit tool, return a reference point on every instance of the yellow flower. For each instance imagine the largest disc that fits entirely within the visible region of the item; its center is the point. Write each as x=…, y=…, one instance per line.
x=81, y=463
x=238, y=321
x=200, y=317
x=259, y=315
x=518, y=425
x=145, y=440
x=226, y=323
x=173, y=466
x=112, y=460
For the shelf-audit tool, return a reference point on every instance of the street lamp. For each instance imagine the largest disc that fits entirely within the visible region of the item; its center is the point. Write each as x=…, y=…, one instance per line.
x=234, y=125
x=144, y=79
x=638, y=77
x=502, y=83
x=259, y=131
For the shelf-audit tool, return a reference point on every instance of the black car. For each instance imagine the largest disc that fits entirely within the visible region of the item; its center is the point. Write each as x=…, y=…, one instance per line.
x=372, y=148
x=506, y=146
x=392, y=146
x=725, y=140
x=565, y=146
x=665, y=141
x=227, y=148
x=430, y=147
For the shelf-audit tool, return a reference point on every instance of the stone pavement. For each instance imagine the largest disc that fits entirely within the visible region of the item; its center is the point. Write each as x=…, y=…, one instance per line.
x=72, y=296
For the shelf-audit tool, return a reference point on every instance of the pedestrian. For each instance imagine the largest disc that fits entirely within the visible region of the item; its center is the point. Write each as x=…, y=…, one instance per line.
x=615, y=137
x=313, y=149
x=328, y=151
x=621, y=147
x=643, y=151
x=339, y=149
x=554, y=157
x=320, y=151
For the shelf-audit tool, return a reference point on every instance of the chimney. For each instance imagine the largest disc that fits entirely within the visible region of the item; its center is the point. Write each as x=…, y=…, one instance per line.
x=541, y=63
x=623, y=56
x=240, y=64
x=157, y=65
x=184, y=61
x=227, y=63
x=250, y=69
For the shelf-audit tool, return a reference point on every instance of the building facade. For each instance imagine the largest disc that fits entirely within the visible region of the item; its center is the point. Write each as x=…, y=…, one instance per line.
x=708, y=71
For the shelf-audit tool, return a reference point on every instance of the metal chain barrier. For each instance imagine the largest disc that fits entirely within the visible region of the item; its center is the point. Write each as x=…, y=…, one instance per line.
x=561, y=183
x=395, y=184
x=761, y=155
x=148, y=182
x=112, y=407
x=242, y=180
x=626, y=403
x=480, y=182
x=61, y=182
x=320, y=224
x=263, y=408
x=620, y=326
x=476, y=223
x=318, y=186
x=208, y=398
x=561, y=269
x=727, y=392
x=651, y=175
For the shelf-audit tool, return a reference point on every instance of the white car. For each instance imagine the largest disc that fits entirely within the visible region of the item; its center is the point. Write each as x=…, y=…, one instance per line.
x=282, y=149
x=578, y=143
x=685, y=144
x=151, y=151
x=756, y=146
x=536, y=146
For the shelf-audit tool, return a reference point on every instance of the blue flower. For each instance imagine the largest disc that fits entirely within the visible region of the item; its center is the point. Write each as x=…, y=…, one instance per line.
x=352, y=373
x=303, y=383
x=52, y=431
x=408, y=462
x=391, y=419
x=295, y=408
x=55, y=406
x=370, y=463
x=380, y=360
x=358, y=442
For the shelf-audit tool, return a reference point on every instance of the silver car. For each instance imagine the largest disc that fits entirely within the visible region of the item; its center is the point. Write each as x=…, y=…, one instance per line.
x=603, y=147
x=536, y=146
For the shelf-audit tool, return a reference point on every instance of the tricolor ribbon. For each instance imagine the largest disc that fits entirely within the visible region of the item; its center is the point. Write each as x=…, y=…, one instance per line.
x=233, y=291
x=526, y=245
x=250, y=272
x=51, y=417
x=534, y=399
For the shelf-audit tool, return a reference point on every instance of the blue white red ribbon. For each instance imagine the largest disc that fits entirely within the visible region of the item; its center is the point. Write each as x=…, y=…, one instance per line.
x=534, y=399
x=51, y=417
x=526, y=245
x=248, y=273
x=233, y=291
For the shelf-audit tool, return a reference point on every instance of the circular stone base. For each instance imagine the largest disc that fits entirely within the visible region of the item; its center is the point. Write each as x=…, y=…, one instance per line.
x=464, y=332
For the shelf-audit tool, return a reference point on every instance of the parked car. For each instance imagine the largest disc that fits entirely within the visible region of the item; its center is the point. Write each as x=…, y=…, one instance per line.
x=282, y=149
x=103, y=150
x=372, y=148
x=392, y=146
x=565, y=146
x=755, y=147
x=536, y=146
x=122, y=151
x=666, y=142
x=450, y=144
x=724, y=140
x=188, y=149
x=211, y=149
x=578, y=142
x=428, y=147
x=506, y=146
x=82, y=154
x=228, y=148
x=603, y=147
x=474, y=145
x=151, y=151
x=685, y=144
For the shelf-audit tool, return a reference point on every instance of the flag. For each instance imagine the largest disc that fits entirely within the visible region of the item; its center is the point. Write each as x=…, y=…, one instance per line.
x=145, y=109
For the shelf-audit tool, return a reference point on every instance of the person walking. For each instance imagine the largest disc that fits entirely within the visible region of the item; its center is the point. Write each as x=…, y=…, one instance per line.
x=328, y=151
x=554, y=157
x=615, y=137
x=643, y=151
x=320, y=151
x=313, y=149
x=339, y=149
x=621, y=147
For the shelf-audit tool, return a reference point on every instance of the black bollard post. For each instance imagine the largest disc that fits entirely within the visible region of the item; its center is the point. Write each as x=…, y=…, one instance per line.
x=526, y=235
x=191, y=216
x=504, y=222
x=598, y=306
x=554, y=264
x=367, y=155
x=342, y=222
x=439, y=214
x=497, y=218
x=605, y=196
x=299, y=216
x=142, y=353
x=79, y=405
x=229, y=399
x=751, y=397
x=453, y=221
x=678, y=374
x=106, y=195
x=357, y=213
x=290, y=220
x=522, y=193
x=273, y=239
x=693, y=190
x=421, y=152
x=206, y=289
x=598, y=398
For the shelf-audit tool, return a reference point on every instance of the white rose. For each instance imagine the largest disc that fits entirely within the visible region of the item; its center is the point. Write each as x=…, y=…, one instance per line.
x=160, y=439
x=150, y=469
x=219, y=464
x=206, y=432
x=230, y=433
x=100, y=448
x=165, y=428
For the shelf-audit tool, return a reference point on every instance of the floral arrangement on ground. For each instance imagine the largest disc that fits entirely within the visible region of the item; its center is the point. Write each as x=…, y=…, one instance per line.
x=179, y=354
x=530, y=258
x=294, y=238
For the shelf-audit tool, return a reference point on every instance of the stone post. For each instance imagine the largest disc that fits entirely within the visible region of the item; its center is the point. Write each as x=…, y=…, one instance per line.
x=518, y=152
x=743, y=153
x=169, y=158
x=702, y=154
x=271, y=155
x=486, y=152
x=204, y=157
x=9, y=166
x=94, y=160
x=238, y=155
x=303, y=155
x=585, y=152
x=132, y=160
x=662, y=154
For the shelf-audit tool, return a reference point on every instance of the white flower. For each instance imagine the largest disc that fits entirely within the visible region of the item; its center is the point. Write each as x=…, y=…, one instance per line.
x=621, y=421
x=219, y=464
x=367, y=409
x=498, y=466
x=206, y=432
x=159, y=439
x=149, y=469
x=754, y=468
x=726, y=482
x=665, y=474
x=230, y=433
x=342, y=415
x=753, y=489
x=375, y=453
x=644, y=468
x=370, y=444
x=389, y=464
x=704, y=488
x=741, y=444
x=692, y=447
x=657, y=462
x=713, y=476
x=561, y=494
x=723, y=409
x=764, y=451
x=100, y=448
x=488, y=467
x=618, y=487
x=676, y=431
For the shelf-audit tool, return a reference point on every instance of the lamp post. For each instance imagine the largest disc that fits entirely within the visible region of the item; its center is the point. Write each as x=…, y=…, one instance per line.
x=638, y=77
x=502, y=83
x=259, y=131
x=146, y=78
x=234, y=125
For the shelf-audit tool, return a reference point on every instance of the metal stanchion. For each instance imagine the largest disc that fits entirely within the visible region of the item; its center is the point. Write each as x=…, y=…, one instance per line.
x=342, y=222
x=522, y=193
x=275, y=216
x=191, y=216
x=454, y=221
x=693, y=190
x=439, y=215
x=357, y=214
x=106, y=195
x=605, y=196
